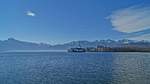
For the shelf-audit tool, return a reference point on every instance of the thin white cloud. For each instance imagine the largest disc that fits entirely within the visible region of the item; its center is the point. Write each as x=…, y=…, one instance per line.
x=132, y=19
x=30, y=13
x=141, y=37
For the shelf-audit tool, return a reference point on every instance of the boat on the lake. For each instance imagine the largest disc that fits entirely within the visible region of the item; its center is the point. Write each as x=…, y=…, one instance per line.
x=76, y=50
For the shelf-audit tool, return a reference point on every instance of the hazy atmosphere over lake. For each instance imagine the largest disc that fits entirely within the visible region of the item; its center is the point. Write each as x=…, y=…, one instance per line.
x=61, y=21
x=75, y=42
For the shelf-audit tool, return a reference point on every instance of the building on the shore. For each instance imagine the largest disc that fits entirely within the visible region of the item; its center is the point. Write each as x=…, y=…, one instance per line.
x=91, y=49
x=110, y=49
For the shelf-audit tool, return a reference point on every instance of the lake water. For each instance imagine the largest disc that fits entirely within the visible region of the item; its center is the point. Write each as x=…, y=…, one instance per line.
x=74, y=68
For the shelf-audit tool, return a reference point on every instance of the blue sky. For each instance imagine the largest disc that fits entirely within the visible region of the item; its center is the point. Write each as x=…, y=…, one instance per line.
x=60, y=21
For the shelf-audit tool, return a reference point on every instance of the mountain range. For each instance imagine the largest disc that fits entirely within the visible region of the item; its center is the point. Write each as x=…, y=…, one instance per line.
x=13, y=44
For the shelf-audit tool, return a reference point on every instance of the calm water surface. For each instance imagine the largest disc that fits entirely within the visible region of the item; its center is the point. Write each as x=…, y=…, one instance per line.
x=74, y=68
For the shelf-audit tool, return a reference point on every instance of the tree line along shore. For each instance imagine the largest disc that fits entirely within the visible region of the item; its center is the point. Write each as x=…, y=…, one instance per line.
x=110, y=49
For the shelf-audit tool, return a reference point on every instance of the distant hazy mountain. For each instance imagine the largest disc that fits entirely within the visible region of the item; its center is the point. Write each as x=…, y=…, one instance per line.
x=13, y=44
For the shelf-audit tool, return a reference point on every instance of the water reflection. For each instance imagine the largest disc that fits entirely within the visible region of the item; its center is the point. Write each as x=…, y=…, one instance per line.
x=131, y=68
x=74, y=68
